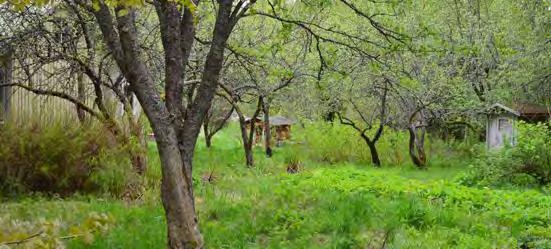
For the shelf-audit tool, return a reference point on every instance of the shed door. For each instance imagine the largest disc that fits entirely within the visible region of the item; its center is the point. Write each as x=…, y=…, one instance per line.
x=505, y=131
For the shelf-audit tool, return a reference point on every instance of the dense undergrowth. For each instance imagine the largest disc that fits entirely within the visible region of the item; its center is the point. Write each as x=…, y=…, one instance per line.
x=62, y=159
x=339, y=203
x=527, y=164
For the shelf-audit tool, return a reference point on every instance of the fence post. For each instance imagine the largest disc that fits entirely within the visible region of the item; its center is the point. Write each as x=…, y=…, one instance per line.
x=6, y=68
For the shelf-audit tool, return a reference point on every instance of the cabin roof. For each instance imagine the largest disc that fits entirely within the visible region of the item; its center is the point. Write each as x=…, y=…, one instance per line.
x=519, y=109
x=531, y=109
x=279, y=120
x=499, y=108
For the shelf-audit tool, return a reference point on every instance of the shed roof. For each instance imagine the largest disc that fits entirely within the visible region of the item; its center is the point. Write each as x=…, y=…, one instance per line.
x=278, y=120
x=531, y=109
x=498, y=108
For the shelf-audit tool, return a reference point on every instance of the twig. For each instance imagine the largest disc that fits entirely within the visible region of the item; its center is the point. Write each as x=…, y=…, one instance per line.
x=17, y=242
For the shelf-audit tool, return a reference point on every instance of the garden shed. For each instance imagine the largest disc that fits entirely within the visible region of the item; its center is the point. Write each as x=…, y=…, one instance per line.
x=282, y=127
x=500, y=127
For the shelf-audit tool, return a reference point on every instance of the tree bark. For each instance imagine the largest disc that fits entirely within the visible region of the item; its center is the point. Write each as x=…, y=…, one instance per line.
x=177, y=195
x=416, y=147
x=374, y=153
x=267, y=131
x=176, y=129
x=81, y=96
x=247, y=143
x=139, y=157
x=208, y=137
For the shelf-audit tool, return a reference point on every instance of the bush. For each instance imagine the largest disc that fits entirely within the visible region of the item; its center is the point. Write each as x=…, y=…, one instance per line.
x=528, y=163
x=61, y=159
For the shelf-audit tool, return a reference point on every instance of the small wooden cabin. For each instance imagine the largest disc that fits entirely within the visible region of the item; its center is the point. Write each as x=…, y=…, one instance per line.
x=500, y=127
x=282, y=128
x=279, y=126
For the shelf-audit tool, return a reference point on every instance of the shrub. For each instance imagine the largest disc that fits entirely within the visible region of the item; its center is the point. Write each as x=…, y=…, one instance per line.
x=62, y=159
x=528, y=163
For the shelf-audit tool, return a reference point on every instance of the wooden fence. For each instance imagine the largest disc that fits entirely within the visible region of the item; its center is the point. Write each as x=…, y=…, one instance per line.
x=22, y=106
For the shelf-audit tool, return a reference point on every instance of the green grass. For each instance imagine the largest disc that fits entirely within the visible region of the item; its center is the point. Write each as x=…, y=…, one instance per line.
x=326, y=205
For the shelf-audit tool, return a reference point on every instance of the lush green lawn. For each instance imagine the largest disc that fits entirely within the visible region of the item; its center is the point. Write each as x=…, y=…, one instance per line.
x=324, y=206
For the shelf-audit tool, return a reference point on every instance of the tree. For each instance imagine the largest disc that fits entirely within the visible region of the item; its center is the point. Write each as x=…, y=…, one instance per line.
x=378, y=117
x=177, y=120
x=216, y=118
x=59, y=46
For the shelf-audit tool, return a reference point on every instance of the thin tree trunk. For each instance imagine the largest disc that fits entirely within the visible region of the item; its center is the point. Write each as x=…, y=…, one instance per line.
x=139, y=157
x=208, y=141
x=207, y=133
x=247, y=144
x=374, y=155
x=267, y=131
x=373, y=150
x=416, y=148
x=81, y=96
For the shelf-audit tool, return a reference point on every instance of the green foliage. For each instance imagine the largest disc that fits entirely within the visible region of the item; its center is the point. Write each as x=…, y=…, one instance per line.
x=528, y=163
x=335, y=143
x=322, y=206
x=50, y=232
x=63, y=160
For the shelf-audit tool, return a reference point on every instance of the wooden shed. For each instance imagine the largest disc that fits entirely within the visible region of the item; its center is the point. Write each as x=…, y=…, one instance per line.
x=500, y=127
x=282, y=128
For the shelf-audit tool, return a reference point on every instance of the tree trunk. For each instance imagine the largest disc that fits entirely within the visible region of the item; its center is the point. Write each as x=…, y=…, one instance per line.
x=81, y=95
x=208, y=141
x=417, y=148
x=373, y=150
x=267, y=131
x=374, y=155
x=177, y=192
x=139, y=157
x=247, y=144
x=176, y=130
x=208, y=136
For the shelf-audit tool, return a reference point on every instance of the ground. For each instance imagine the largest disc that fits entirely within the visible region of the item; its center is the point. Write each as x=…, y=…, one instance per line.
x=339, y=205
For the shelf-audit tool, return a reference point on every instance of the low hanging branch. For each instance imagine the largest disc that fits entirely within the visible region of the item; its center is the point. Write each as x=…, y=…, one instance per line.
x=57, y=94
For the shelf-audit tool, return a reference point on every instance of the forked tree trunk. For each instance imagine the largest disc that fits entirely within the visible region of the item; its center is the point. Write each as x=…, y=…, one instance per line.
x=176, y=130
x=417, y=147
x=247, y=144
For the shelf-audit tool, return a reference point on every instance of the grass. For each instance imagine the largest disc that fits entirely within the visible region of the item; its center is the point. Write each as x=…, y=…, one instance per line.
x=326, y=205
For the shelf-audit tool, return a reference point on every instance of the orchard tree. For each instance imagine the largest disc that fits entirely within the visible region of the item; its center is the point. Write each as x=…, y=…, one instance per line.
x=177, y=112
x=58, y=55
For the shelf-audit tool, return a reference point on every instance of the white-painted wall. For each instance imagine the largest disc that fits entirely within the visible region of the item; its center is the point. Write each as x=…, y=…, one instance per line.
x=500, y=130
